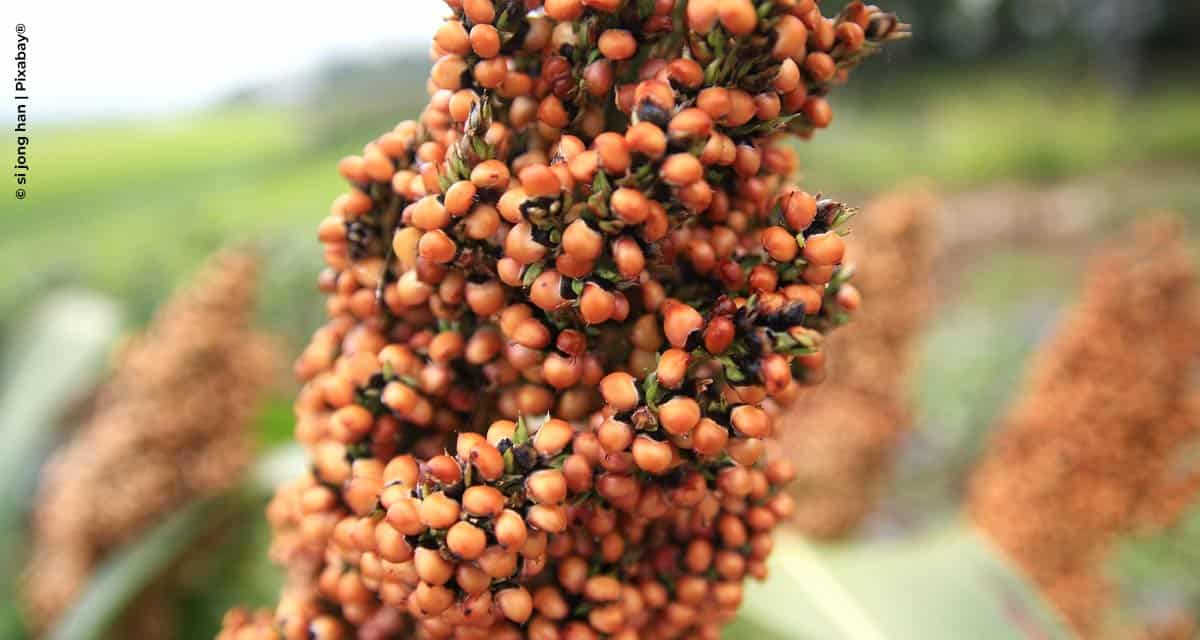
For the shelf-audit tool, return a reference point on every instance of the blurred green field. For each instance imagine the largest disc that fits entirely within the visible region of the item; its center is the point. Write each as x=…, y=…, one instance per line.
x=127, y=208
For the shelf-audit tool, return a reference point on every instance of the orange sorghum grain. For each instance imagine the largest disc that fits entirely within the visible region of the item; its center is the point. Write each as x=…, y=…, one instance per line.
x=533, y=299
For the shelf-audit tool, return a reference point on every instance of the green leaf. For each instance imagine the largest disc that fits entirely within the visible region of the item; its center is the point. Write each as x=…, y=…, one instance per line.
x=58, y=359
x=948, y=585
x=732, y=372
x=531, y=273
x=126, y=574
x=521, y=435
x=607, y=272
x=276, y=421
x=651, y=390
x=600, y=183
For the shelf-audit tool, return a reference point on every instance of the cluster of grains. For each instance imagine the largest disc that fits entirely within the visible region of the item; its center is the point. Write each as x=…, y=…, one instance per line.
x=842, y=437
x=1095, y=436
x=168, y=427
x=557, y=305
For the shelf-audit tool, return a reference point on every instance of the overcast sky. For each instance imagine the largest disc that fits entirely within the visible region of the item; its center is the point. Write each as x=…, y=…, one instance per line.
x=126, y=57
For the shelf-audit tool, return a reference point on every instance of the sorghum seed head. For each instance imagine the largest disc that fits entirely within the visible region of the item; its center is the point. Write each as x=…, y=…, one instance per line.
x=551, y=323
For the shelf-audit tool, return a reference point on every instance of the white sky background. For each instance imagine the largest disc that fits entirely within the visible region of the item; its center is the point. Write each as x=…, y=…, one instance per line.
x=131, y=57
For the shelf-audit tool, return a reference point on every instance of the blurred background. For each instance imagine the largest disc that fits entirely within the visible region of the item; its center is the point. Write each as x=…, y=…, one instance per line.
x=1019, y=137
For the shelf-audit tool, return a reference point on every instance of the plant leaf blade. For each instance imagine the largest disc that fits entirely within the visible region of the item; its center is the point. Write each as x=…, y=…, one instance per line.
x=945, y=585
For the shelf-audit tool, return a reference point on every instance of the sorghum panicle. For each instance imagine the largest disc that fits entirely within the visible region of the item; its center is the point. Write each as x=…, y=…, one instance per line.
x=558, y=304
x=169, y=426
x=842, y=437
x=1089, y=449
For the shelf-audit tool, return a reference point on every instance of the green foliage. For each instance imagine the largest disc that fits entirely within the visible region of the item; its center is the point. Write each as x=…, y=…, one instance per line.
x=1008, y=302
x=230, y=568
x=1038, y=124
x=1161, y=569
x=275, y=422
x=56, y=360
x=950, y=584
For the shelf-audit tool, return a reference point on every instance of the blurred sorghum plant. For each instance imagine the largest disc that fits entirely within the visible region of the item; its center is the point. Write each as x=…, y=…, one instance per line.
x=558, y=304
x=842, y=436
x=1180, y=626
x=1089, y=452
x=169, y=426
